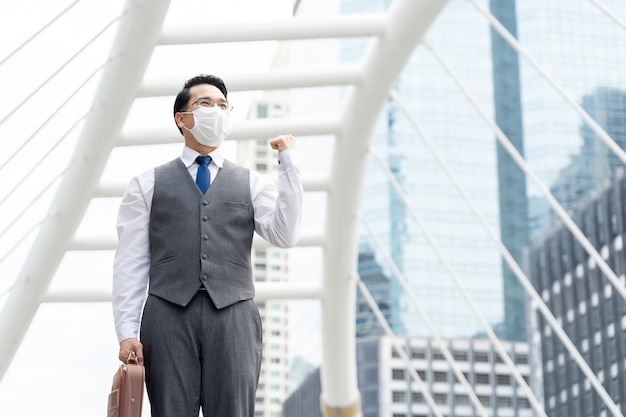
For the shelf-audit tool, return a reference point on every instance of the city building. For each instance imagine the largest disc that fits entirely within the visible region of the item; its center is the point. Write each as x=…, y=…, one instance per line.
x=387, y=388
x=594, y=166
x=462, y=37
x=586, y=305
x=564, y=37
x=380, y=287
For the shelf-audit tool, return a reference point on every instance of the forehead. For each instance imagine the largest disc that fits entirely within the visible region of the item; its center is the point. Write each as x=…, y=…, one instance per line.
x=205, y=90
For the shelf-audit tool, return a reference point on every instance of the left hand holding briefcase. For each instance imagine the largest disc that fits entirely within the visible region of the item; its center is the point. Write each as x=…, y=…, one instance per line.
x=126, y=397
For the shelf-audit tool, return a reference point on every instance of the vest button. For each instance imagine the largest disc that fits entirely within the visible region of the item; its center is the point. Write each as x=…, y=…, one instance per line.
x=204, y=256
x=205, y=237
x=203, y=277
x=205, y=218
x=205, y=203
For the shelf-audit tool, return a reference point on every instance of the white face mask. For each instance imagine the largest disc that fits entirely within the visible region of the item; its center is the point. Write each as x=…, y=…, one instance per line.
x=211, y=125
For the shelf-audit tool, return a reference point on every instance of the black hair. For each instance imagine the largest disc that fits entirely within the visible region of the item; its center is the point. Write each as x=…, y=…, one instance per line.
x=183, y=95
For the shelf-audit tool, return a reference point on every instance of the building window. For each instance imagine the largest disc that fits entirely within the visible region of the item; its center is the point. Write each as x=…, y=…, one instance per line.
x=261, y=111
x=397, y=374
x=485, y=400
x=418, y=353
x=503, y=379
x=482, y=379
x=398, y=396
x=461, y=399
x=481, y=357
x=422, y=375
x=440, y=398
x=438, y=356
x=460, y=355
x=440, y=376
x=417, y=397
x=504, y=402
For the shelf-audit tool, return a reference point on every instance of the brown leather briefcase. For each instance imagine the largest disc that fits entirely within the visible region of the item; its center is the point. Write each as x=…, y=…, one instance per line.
x=126, y=397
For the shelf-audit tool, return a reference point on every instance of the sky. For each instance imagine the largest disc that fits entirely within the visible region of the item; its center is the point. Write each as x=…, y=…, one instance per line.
x=69, y=355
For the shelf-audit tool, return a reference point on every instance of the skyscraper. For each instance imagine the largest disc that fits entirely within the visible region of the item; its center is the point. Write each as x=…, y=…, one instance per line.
x=467, y=145
x=577, y=46
x=589, y=309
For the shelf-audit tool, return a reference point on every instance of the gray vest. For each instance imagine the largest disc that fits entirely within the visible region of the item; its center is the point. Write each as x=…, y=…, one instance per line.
x=201, y=240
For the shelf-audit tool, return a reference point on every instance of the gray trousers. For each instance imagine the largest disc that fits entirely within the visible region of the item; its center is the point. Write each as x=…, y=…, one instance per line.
x=201, y=357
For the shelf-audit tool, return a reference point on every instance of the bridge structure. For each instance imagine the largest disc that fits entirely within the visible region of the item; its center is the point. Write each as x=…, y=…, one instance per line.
x=142, y=29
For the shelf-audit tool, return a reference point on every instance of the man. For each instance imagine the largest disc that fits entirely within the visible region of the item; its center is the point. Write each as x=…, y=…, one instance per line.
x=189, y=247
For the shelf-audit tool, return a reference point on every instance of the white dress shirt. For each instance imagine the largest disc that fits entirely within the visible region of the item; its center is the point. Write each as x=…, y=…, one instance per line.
x=277, y=213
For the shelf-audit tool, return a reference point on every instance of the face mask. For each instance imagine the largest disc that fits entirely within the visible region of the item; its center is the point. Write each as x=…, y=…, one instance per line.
x=211, y=125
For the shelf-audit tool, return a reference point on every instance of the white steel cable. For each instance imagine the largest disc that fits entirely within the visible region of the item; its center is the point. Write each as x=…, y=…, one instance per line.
x=515, y=268
x=609, y=13
x=431, y=329
x=58, y=70
x=32, y=136
x=608, y=141
x=33, y=36
x=19, y=242
x=45, y=187
x=398, y=347
x=455, y=279
x=521, y=163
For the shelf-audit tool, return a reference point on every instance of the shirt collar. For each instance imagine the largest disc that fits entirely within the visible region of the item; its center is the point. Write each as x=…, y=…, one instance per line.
x=189, y=156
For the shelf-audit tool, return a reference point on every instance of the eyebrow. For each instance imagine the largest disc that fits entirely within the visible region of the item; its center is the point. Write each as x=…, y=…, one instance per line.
x=223, y=100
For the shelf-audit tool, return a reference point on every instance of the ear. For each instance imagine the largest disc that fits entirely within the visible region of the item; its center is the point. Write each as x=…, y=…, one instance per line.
x=178, y=117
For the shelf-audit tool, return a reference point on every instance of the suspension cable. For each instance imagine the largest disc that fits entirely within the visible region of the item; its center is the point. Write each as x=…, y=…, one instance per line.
x=515, y=268
x=52, y=115
x=506, y=35
x=55, y=73
x=455, y=279
x=44, y=27
x=609, y=13
x=399, y=349
x=521, y=163
x=431, y=328
x=46, y=186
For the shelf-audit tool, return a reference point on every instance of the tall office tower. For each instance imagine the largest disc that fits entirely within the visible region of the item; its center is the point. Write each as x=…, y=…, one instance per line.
x=270, y=265
x=388, y=390
x=594, y=166
x=586, y=305
x=461, y=36
x=511, y=179
x=581, y=49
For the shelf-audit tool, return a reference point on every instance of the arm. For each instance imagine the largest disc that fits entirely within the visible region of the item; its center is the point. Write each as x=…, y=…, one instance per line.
x=278, y=207
x=131, y=264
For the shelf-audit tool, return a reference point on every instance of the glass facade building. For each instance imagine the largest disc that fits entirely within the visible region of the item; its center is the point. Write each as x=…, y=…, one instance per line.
x=577, y=46
x=584, y=302
x=461, y=36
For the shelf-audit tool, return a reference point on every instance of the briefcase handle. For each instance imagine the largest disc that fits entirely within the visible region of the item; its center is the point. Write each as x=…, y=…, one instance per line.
x=132, y=357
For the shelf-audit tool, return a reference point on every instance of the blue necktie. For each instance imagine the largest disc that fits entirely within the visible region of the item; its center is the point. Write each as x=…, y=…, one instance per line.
x=203, y=179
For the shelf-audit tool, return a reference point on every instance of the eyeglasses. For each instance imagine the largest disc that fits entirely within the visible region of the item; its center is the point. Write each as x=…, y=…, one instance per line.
x=207, y=102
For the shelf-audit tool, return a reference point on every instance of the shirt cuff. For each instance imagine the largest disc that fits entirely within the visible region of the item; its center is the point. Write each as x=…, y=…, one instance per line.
x=288, y=158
